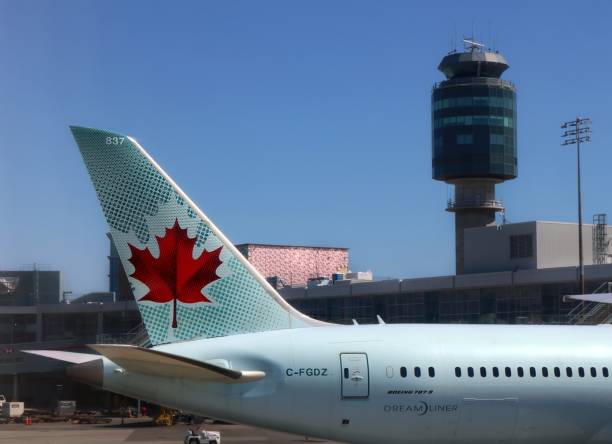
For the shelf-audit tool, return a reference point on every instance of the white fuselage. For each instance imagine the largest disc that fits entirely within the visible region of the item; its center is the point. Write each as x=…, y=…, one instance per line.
x=359, y=384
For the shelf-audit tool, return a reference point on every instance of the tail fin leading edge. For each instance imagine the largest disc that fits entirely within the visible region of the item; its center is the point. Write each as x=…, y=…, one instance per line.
x=188, y=279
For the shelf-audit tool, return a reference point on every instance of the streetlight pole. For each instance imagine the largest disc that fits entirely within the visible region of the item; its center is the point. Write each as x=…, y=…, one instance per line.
x=577, y=131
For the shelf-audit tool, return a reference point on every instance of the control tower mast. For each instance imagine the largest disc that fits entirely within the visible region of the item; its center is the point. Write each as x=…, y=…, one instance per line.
x=473, y=135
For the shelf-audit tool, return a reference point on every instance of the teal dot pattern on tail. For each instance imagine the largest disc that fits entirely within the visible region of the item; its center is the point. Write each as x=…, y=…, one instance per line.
x=139, y=203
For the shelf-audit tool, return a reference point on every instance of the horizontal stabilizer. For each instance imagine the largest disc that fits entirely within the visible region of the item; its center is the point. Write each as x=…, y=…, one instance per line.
x=74, y=358
x=158, y=363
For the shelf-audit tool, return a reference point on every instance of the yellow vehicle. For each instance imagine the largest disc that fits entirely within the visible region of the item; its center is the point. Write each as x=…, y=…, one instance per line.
x=165, y=417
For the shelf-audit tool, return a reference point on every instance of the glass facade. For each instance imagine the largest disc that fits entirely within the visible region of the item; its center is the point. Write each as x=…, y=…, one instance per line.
x=529, y=304
x=118, y=280
x=521, y=246
x=465, y=139
x=486, y=112
x=29, y=287
x=507, y=122
x=61, y=326
x=67, y=325
x=15, y=328
x=486, y=101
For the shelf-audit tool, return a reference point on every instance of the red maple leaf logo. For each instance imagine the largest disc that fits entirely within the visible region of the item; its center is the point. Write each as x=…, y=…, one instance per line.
x=175, y=275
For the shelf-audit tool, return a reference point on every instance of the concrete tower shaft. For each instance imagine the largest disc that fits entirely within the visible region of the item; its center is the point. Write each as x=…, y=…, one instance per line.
x=473, y=137
x=474, y=205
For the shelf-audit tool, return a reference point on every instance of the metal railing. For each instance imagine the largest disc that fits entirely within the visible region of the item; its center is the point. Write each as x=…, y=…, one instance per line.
x=473, y=203
x=591, y=313
x=136, y=336
x=469, y=81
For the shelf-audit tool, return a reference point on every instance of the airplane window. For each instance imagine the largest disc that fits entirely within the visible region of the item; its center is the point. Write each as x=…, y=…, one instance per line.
x=495, y=372
x=403, y=372
x=458, y=372
x=532, y=372
x=483, y=372
x=470, y=372
x=568, y=371
x=557, y=372
x=581, y=372
x=508, y=372
x=417, y=372
x=389, y=372
x=346, y=373
x=432, y=372
x=545, y=372
x=520, y=372
x=593, y=372
x=605, y=372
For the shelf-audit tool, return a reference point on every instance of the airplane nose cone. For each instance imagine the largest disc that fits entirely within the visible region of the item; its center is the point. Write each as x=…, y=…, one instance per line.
x=91, y=372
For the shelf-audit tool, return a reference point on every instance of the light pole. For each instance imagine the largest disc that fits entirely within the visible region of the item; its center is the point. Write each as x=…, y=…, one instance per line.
x=577, y=131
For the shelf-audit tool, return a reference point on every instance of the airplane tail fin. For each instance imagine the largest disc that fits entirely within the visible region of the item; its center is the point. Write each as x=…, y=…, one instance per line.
x=188, y=280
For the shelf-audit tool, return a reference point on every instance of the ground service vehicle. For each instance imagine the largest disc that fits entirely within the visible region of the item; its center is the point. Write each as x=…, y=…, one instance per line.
x=202, y=437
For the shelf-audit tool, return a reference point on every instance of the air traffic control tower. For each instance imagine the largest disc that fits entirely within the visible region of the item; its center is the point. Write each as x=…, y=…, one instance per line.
x=473, y=135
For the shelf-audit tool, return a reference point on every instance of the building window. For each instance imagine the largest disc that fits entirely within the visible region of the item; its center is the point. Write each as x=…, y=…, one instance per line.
x=485, y=101
x=439, y=141
x=465, y=139
x=521, y=246
x=496, y=139
x=441, y=122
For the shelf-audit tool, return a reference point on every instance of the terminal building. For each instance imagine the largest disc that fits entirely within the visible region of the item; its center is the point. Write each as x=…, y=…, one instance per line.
x=34, y=315
x=505, y=273
x=514, y=273
x=30, y=287
x=291, y=265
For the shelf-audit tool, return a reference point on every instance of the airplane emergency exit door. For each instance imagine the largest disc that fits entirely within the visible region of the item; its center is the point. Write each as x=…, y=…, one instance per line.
x=355, y=377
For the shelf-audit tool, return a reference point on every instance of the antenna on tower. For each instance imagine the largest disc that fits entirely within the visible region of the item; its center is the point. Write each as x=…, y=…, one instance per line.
x=470, y=44
x=472, y=29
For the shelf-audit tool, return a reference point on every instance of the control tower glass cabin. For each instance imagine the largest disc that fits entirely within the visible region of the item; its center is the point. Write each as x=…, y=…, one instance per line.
x=473, y=136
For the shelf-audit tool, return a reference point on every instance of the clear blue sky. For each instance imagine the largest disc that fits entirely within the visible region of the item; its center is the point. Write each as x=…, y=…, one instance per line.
x=287, y=122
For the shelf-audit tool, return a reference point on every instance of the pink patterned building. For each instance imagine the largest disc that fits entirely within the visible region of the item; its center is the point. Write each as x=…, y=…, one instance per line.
x=294, y=265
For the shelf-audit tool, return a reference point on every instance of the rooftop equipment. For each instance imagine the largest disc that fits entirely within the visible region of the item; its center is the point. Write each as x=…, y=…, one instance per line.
x=600, y=239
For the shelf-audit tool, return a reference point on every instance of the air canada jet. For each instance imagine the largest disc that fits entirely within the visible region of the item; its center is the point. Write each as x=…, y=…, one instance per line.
x=226, y=345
